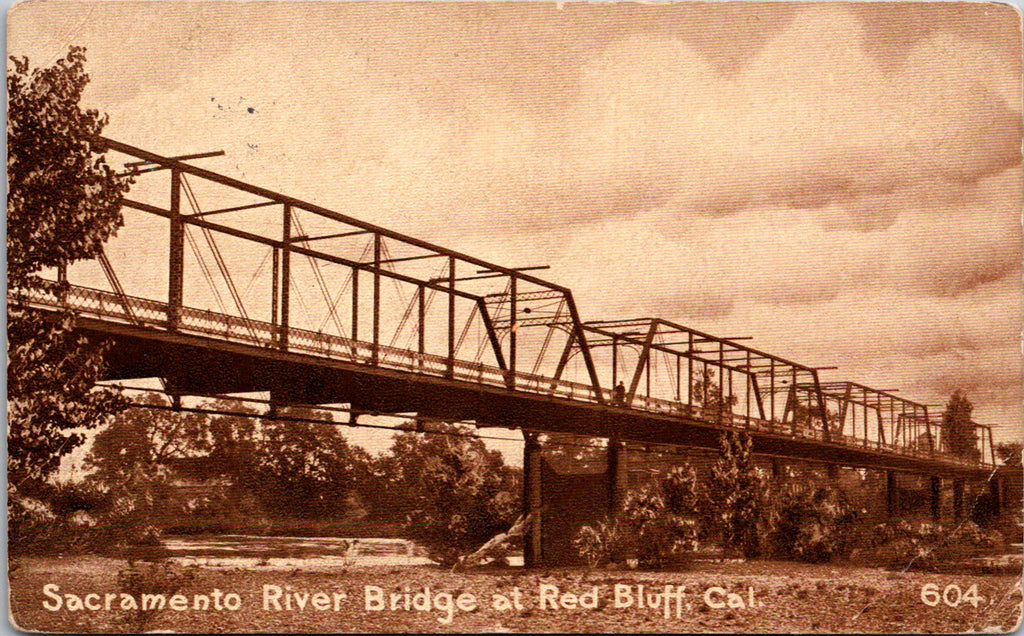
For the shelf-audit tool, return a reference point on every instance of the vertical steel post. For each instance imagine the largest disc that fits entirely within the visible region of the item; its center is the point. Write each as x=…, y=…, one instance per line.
x=729, y=394
x=747, y=397
x=679, y=380
x=450, y=370
x=689, y=371
x=375, y=353
x=721, y=381
x=647, y=377
x=422, y=316
x=275, y=273
x=355, y=303
x=936, y=490
x=512, y=337
x=704, y=386
x=286, y=274
x=175, y=279
x=615, y=361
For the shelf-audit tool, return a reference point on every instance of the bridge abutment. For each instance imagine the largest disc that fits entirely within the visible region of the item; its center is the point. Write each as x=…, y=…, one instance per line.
x=958, y=499
x=532, y=550
x=995, y=492
x=617, y=473
x=890, y=493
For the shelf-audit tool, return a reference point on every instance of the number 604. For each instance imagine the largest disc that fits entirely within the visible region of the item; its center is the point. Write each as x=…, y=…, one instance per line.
x=951, y=595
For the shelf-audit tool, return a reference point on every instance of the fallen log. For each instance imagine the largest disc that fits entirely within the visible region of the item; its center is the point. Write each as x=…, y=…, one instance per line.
x=499, y=545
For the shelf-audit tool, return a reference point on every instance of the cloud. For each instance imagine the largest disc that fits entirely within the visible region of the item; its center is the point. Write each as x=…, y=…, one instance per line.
x=809, y=121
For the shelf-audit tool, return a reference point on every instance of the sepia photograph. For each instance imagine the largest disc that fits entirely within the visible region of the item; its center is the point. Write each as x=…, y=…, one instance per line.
x=336, y=316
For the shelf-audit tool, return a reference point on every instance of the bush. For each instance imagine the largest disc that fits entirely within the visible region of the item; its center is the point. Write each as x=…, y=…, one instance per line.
x=815, y=526
x=648, y=530
x=687, y=498
x=741, y=496
x=600, y=545
x=454, y=493
x=925, y=545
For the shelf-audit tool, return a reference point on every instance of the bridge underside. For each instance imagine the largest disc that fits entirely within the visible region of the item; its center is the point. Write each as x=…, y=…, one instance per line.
x=203, y=366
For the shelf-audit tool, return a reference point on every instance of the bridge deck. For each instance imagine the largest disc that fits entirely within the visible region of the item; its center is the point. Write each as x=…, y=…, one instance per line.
x=211, y=352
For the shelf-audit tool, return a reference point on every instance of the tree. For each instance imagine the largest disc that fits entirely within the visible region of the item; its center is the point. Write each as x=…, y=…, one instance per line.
x=142, y=437
x=63, y=202
x=454, y=493
x=958, y=433
x=564, y=450
x=302, y=469
x=741, y=494
x=709, y=394
x=1010, y=453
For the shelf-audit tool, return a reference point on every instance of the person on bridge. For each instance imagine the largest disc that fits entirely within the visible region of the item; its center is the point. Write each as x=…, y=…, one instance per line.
x=619, y=394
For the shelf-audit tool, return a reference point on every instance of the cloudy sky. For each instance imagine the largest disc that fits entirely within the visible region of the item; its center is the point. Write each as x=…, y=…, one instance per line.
x=841, y=182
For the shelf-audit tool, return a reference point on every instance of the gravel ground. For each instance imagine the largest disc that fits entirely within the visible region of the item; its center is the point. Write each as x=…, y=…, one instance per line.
x=788, y=597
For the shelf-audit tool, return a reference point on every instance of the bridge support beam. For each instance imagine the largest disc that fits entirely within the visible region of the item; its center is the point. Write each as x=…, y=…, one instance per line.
x=176, y=261
x=532, y=556
x=958, y=499
x=833, y=472
x=286, y=276
x=936, y=492
x=890, y=493
x=618, y=476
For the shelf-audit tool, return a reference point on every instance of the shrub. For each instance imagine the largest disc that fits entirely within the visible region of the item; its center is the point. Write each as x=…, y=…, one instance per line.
x=602, y=544
x=741, y=496
x=454, y=492
x=649, y=527
x=814, y=526
x=687, y=498
x=924, y=545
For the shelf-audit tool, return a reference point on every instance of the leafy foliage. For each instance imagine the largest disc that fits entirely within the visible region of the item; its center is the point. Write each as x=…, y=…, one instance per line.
x=957, y=429
x=600, y=544
x=292, y=469
x=654, y=533
x=454, y=493
x=815, y=525
x=926, y=545
x=709, y=394
x=659, y=522
x=145, y=437
x=63, y=201
x=304, y=470
x=1010, y=453
x=741, y=495
x=50, y=397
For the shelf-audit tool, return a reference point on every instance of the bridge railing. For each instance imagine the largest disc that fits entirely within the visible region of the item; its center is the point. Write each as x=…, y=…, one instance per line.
x=106, y=305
